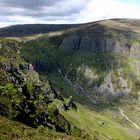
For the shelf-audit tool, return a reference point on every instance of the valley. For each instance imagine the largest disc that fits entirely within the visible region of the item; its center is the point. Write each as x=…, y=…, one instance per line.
x=71, y=82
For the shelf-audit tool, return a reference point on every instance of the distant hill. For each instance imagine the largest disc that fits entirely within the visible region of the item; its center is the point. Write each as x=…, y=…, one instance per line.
x=31, y=29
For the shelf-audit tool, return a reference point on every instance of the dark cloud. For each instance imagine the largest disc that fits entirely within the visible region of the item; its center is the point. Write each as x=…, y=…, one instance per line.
x=35, y=7
x=29, y=4
x=40, y=9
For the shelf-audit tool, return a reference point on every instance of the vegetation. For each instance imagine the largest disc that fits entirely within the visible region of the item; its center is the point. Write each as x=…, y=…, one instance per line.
x=98, y=125
x=37, y=104
x=31, y=29
x=28, y=98
x=99, y=64
x=15, y=130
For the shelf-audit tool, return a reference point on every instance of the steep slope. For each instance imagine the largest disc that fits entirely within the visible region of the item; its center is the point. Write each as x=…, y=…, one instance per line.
x=100, y=60
x=16, y=130
x=98, y=65
x=31, y=99
x=27, y=97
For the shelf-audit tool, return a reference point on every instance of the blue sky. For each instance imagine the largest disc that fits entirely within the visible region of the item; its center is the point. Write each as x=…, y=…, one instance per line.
x=65, y=11
x=133, y=1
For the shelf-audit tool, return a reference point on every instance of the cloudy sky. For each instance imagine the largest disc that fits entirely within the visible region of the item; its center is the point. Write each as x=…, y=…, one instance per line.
x=65, y=11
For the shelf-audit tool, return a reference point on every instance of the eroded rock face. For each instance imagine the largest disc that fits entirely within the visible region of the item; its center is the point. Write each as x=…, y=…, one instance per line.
x=135, y=54
x=40, y=66
x=96, y=52
x=70, y=44
x=118, y=89
x=75, y=43
x=113, y=87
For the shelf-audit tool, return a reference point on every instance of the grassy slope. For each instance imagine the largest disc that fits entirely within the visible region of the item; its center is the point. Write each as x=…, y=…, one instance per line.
x=91, y=121
x=12, y=130
x=10, y=97
x=65, y=89
x=115, y=128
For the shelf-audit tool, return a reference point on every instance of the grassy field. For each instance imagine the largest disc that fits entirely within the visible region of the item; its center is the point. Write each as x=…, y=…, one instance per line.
x=99, y=125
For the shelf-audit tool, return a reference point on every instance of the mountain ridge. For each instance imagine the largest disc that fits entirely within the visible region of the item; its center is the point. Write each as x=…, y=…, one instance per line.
x=32, y=29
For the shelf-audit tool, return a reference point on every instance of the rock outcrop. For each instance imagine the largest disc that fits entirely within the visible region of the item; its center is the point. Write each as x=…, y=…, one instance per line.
x=75, y=43
x=25, y=96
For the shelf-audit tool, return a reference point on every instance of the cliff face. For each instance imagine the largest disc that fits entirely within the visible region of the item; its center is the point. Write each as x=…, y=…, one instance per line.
x=109, y=50
x=75, y=43
x=104, y=36
x=114, y=48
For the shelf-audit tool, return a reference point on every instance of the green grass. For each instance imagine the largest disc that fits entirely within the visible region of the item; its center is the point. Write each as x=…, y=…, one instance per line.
x=12, y=130
x=91, y=122
x=134, y=41
x=65, y=89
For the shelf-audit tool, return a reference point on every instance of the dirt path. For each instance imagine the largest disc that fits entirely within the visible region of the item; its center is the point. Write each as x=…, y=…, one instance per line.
x=126, y=117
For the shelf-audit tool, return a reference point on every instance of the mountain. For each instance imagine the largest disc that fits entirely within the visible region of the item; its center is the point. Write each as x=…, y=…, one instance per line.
x=99, y=59
x=32, y=29
x=96, y=66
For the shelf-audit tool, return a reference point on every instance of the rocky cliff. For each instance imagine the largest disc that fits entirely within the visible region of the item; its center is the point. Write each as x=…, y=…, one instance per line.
x=102, y=58
x=102, y=37
x=27, y=97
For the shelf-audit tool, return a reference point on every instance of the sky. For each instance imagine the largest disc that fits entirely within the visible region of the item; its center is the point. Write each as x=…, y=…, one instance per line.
x=65, y=11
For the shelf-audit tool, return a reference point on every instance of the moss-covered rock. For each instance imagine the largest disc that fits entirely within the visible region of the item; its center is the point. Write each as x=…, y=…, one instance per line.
x=24, y=95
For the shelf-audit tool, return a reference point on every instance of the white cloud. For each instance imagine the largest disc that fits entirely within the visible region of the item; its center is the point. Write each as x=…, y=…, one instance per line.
x=70, y=11
x=99, y=9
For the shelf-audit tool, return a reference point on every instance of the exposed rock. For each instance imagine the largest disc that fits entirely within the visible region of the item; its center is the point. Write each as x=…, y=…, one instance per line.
x=70, y=44
x=24, y=66
x=26, y=97
x=75, y=43
x=107, y=85
x=89, y=74
x=42, y=66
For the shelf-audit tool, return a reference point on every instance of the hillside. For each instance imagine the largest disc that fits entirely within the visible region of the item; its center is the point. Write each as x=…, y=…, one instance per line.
x=96, y=65
x=99, y=59
x=27, y=97
x=32, y=29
